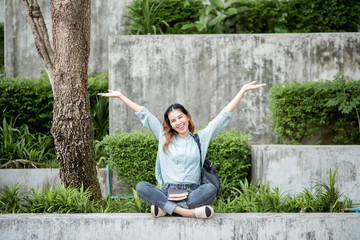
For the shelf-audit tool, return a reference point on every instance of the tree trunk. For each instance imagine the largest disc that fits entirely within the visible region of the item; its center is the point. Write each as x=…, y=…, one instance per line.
x=72, y=125
x=67, y=67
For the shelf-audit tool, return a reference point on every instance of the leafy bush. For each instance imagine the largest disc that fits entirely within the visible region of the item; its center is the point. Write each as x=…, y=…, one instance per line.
x=323, y=16
x=230, y=153
x=264, y=198
x=31, y=102
x=247, y=198
x=99, y=106
x=133, y=157
x=263, y=17
x=218, y=17
x=161, y=16
x=20, y=148
x=278, y=16
x=300, y=110
x=11, y=199
x=61, y=199
x=124, y=204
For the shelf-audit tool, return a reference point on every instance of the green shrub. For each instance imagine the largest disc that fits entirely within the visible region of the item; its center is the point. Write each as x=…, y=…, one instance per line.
x=99, y=106
x=217, y=17
x=159, y=16
x=263, y=17
x=20, y=148
x=247, y=197
x=299, y=110
x=11, y=199
x=133, y=157
x=124, y=204
x=31, y=102
x=264, y=198
x=323, y=16
x=60, y=199
x=230, y=154
x=278, y=16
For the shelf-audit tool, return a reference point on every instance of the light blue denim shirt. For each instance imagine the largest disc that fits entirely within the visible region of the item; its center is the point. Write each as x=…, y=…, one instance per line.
x=180, y=164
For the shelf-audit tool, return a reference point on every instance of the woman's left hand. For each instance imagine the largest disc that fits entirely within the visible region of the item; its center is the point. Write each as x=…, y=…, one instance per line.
x=251, y=86
x=247, y=87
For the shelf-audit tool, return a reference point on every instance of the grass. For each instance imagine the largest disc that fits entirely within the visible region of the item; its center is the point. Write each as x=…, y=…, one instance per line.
x=249, y=198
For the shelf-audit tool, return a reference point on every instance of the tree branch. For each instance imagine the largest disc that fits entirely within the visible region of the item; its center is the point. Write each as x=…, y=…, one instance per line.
x=39, y=30
x=357, y=114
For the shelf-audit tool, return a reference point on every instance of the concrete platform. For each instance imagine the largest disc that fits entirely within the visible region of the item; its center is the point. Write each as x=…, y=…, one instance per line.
x=142, y=226
x=292, y=168
x=31, y=178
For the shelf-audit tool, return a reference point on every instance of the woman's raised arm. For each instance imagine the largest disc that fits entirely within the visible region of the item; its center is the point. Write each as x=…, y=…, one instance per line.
x=247, y=87
x=117, y=94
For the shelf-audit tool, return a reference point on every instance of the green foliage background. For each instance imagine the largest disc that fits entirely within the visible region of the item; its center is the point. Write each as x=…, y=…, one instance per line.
x=299, y=16
x=300, y=109
x=244, y=16
x=247, y=198
x=162, y=17
x=30, y=101
x=133, y=157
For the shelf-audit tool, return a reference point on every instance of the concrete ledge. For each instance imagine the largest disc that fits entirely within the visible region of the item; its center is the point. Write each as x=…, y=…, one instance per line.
x=293, y=168
x=44, y=177
x=143, y=226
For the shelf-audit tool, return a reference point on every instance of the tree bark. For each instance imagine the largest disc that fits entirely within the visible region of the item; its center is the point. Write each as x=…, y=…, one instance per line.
x=72, y=124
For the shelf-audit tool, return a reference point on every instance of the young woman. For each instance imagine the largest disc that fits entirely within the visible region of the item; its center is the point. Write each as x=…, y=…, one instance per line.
x=177, y=161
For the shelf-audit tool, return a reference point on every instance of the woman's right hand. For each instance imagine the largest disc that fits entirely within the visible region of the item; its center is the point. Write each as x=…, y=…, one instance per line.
x=117, y=94
x=111, y=93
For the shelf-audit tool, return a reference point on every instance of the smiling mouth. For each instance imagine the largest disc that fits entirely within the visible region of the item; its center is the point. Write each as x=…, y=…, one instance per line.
x=181, y=127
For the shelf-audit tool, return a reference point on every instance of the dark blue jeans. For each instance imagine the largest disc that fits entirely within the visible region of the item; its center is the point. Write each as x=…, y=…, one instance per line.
x=198, y=195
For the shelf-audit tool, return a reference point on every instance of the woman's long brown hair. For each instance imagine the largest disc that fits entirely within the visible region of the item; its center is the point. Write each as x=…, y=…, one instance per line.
x=169, y=132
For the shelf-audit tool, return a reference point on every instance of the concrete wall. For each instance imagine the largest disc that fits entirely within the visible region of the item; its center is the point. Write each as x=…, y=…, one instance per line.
x=2, y=10
x=293, y=168
x=297, y=226
x=204, y=72
x=21, y=57
x=290, y=168
x=32, y=178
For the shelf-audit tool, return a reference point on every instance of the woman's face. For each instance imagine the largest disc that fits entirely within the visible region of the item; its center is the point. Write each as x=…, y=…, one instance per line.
x=179, y=122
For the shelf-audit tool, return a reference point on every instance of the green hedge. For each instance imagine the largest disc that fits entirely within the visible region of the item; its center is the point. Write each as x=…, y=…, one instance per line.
x=159, y=16
x=31, y=100
x=245, y=16
x=299, y=110
x=299, y=16
x=133, y=157
x=28, y=100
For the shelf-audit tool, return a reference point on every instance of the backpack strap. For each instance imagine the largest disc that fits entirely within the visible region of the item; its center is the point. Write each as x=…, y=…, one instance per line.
x=197, y=140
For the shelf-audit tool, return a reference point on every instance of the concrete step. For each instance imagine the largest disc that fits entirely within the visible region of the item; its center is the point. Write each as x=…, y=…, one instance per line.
x=142, y=226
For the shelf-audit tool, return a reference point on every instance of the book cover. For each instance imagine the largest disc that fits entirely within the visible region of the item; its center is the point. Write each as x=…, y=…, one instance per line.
x=177, y=194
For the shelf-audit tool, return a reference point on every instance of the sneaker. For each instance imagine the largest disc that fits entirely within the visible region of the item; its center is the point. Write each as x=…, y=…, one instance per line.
x=157, y=212
x=204, y=212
